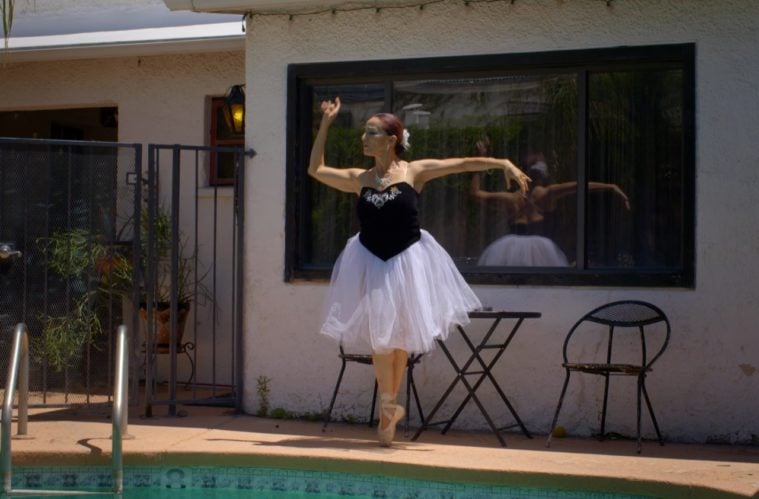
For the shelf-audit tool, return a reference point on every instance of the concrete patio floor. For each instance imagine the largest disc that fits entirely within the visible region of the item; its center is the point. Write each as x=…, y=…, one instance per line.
x=212, y=436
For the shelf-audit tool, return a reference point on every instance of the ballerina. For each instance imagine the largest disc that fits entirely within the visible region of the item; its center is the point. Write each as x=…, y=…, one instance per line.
x=394, y=290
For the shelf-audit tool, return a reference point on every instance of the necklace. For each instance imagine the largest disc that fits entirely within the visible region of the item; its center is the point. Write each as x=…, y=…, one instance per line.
x=381, y=181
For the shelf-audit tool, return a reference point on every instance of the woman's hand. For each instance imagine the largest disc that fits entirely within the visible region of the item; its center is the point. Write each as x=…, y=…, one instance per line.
x=330, y=110
x=619, y=192
x=512, y=172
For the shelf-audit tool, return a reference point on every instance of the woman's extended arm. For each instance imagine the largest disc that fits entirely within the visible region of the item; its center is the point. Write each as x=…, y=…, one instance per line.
x=554, y=192
x=424, y=170
x=600, y=186
x=478, y=192
x=343, y=179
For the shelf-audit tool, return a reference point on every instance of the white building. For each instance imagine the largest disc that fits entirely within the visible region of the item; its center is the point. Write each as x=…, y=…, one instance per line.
x=703, y=387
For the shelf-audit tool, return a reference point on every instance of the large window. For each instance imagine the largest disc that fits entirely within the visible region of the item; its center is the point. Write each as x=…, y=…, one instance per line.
x=606, y=135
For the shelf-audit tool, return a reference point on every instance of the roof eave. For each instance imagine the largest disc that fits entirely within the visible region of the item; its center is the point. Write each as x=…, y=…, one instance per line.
x=273, y=6
x=176, y=40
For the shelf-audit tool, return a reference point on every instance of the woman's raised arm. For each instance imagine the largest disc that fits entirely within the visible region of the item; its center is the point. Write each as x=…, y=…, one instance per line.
x=343, y=179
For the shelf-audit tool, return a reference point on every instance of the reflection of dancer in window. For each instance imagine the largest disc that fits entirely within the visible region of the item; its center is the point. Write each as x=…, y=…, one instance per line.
x=394, y=289
x=524, y=246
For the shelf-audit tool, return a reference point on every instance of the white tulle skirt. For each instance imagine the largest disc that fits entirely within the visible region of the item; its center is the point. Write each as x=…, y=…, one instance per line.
x=523, y=251
x=406, y=302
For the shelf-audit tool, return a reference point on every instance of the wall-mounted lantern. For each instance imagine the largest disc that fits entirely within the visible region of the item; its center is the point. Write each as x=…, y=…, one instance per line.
x=234, y=109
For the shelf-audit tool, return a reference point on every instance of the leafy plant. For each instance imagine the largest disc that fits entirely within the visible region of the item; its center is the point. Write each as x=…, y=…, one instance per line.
x=189, y=283
x=281, y=413
x=95, y=271
x=263, y=389
x=63, y=337
x=72, y=255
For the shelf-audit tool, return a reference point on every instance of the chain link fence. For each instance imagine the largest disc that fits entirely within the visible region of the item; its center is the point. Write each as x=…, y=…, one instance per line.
x=65, y=211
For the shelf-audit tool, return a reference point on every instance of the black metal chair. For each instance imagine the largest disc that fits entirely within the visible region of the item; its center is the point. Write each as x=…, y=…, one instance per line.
x=366, y=359
x=623, y=358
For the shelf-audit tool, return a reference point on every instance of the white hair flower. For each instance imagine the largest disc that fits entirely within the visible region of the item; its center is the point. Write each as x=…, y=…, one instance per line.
x=405, y=142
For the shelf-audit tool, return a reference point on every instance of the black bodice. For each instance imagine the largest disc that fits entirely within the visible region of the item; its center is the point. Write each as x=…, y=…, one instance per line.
x=389, y=219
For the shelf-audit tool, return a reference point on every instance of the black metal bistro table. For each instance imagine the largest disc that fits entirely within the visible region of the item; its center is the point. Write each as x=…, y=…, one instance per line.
x=482, y=370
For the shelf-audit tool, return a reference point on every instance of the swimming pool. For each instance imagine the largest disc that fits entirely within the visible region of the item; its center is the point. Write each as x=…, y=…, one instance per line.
x=277, y=483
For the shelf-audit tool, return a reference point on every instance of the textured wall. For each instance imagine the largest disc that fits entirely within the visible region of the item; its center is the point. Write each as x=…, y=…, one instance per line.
x=704, y=388
x=161, y=99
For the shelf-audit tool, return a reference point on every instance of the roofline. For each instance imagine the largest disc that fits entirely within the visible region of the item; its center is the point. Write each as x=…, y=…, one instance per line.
x=156, y=41
x=274, y=6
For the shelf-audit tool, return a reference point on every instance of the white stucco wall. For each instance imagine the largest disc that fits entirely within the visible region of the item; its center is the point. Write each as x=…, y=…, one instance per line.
x=161, y=99
x=706, y=386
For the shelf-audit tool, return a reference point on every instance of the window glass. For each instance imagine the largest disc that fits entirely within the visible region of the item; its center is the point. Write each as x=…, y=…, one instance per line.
x=606, y=136
x=528, y=119
x=635, y=145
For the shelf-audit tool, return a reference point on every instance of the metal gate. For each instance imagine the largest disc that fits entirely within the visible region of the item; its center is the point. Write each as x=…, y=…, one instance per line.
x=90, y=239
x=193, y=279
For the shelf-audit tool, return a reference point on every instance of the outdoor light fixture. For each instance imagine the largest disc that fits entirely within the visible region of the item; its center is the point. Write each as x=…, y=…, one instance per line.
x=234, y=109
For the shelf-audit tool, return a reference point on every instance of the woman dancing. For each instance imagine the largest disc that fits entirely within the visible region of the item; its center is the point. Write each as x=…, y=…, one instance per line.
x=394, y=289
x=526, y=246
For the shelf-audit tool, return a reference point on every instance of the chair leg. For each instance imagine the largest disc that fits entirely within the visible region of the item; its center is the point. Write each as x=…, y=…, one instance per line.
x=411, y=389
x=640, y=389
x=602, y=436
x=558, y=409
x=374, y=404
x=334, y=396
x=651, y=412
x=416, y=398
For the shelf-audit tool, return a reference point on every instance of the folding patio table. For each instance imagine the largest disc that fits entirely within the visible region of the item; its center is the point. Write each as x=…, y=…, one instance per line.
x=482, y=370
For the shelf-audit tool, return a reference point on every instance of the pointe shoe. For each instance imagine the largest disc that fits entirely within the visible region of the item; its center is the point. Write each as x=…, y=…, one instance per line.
x=387, y=434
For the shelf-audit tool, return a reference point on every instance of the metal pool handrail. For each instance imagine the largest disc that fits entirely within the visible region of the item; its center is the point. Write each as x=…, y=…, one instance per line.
x=18, y=370
x=119, y=410
x=20, y=358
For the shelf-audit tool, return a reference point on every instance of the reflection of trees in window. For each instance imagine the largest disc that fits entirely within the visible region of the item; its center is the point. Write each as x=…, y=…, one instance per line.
x=635, y=140
x=630, y=126
x=516, y=114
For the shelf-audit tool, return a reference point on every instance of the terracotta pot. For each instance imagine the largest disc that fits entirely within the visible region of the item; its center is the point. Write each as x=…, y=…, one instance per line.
x=163, y=324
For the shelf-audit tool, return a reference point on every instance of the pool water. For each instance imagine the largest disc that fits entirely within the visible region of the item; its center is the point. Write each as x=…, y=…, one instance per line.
x=275, y=483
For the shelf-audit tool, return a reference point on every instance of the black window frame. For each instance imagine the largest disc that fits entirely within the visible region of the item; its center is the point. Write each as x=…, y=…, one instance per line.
x=301, y=77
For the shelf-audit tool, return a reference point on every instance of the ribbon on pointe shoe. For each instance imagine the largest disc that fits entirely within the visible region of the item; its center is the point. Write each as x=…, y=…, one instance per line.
x=387, y=435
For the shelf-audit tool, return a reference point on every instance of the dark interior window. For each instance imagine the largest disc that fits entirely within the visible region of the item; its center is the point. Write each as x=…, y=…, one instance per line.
x=606, y=135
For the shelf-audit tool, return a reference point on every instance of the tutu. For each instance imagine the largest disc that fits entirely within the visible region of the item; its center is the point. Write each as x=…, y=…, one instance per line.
x=523, y=251
x=406, y=302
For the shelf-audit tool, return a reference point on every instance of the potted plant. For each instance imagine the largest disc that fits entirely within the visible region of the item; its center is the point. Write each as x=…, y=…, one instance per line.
x=189, y=283
x=97, y=270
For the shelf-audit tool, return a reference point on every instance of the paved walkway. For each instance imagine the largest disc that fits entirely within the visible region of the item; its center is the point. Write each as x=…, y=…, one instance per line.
x=216, y=437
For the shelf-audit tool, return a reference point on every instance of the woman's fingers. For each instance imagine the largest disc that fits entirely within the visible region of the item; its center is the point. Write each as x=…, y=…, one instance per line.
x=331, y=108
x=522, y=179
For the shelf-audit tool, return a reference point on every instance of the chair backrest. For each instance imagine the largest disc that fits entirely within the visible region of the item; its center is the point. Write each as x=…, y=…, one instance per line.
x=620, y=317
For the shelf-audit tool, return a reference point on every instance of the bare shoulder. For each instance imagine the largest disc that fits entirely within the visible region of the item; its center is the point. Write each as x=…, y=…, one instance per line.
x=414, y=171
